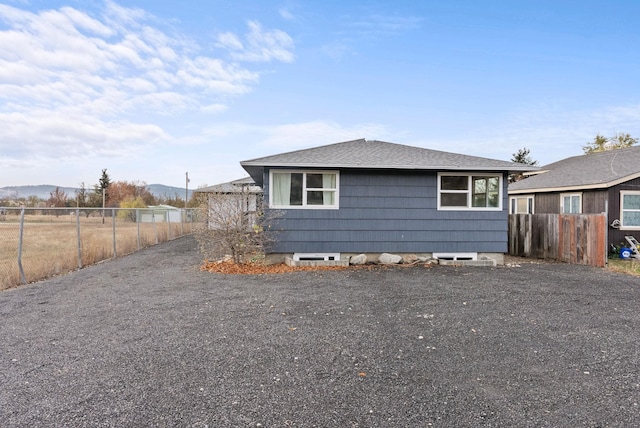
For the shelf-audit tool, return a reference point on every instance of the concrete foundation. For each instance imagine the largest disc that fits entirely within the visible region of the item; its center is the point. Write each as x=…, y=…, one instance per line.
x=290, y=262
x=483, y=259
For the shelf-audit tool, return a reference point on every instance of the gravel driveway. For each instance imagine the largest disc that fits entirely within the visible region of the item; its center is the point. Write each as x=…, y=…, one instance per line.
x=149, y=340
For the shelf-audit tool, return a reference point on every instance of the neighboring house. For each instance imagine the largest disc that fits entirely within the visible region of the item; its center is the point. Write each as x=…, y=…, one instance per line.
x=226, y=201
x=600, y=182
x=373, y=197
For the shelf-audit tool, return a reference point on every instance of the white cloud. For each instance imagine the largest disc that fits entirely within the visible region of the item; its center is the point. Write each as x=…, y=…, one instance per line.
x=51, y=136
x=259, y=45
x=85, y=22
x=619, y=119
x=336, y=50
x=79, y=85
x=551, y=132
x=376, y=24
x=286, y=14
x=230, y=41
x=292, y=136
x=369, y=27
x=213, y=108
x=320, y=132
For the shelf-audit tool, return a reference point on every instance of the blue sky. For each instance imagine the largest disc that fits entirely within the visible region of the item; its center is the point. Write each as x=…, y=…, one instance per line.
x=151, y=89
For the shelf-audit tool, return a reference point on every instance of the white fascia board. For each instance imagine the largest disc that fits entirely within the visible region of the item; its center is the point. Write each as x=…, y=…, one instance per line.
x=594, y=186
x=363, y=166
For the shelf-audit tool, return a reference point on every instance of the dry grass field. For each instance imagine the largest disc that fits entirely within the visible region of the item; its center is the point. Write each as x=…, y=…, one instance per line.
x=50, y=244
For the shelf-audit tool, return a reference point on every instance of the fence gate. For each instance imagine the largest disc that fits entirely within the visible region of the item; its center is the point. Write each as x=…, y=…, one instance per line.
x=571, y=238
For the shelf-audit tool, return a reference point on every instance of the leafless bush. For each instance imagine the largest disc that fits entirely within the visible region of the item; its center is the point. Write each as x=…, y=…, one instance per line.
x=235, y=226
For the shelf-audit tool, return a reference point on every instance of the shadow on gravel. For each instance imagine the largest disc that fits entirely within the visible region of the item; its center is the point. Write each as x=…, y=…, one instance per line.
x=150, y=340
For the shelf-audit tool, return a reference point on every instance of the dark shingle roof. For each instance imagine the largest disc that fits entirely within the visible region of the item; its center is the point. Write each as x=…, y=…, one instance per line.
x=242, y=185
x=592, y=171
x=377, y=155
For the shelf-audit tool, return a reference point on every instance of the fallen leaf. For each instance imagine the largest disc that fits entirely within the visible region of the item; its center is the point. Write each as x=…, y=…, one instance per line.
x=259, y=268
x=229, y=267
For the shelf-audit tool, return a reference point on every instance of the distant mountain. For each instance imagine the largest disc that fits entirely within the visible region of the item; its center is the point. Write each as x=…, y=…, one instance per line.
x=43, y=191
x=162, y=191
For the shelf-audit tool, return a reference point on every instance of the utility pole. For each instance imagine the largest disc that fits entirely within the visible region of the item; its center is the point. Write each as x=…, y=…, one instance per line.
x=186, y=192
x=103, y=200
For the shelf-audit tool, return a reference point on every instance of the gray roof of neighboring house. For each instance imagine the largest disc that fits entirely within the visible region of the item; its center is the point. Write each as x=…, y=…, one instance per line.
x=366, y=154
x=242, y=185
x=592, y=171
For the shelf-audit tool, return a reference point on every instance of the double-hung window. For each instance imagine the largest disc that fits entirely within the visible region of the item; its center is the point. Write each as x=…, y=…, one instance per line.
x=304, y=189
x=469, y=191
x=571, y=203
x=629, y=209
x=521, y=204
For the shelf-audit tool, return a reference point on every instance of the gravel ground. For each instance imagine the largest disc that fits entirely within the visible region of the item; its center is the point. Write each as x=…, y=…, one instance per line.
x=150, y=340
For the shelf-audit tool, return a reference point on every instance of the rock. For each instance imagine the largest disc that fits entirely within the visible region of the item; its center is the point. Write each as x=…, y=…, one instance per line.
x=409, y=259
x=360, y=259
x=389, y=259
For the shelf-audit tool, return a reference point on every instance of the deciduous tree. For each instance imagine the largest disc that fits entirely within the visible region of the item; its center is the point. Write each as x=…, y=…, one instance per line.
x=120, y=191
x=601, y=143
x=57, y=199
x=84, y=199
x=33, y=201
x=82, y=196
x=176, y=201
x=133, y=203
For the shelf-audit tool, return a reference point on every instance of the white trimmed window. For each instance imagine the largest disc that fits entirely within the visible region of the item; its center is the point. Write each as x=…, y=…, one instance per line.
x=469, y=191
x=629, y=209
x=521, y=204
x=304, y=189
x=571, y=203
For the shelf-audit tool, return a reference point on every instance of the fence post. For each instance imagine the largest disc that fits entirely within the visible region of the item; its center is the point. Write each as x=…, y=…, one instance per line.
x=153, y=220
x=113, y=223
x=606, y=233
x=138, y=226
x=79, y=241
x=23, y=278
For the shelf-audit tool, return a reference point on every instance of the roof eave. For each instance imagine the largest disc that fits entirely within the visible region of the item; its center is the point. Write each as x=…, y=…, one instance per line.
x=557, y=189
x=507, y=168
x=591, y=186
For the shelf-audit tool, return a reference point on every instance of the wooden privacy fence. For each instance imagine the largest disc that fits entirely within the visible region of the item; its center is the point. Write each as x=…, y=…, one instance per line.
x=571, y=238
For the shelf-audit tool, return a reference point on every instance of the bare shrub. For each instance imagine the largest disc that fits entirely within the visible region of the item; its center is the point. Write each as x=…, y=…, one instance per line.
x=234, y=226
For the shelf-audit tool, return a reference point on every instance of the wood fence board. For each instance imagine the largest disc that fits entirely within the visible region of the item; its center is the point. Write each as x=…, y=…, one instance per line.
x=571, y=238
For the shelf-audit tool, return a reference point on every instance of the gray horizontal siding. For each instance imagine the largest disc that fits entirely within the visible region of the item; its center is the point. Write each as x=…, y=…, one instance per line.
x=380, y=225
x=389, y=212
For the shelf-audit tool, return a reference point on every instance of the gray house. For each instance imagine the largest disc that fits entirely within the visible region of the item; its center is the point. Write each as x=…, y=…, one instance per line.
x=237, y=201
x=607, y=181
x=373, y=197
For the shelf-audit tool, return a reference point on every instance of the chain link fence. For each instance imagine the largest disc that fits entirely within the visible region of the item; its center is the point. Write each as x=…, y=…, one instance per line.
x=37, y=243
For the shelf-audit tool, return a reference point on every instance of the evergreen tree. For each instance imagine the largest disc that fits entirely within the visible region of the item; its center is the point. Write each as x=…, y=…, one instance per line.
x=524, y=156
x=101, y=191
x=521, y=156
